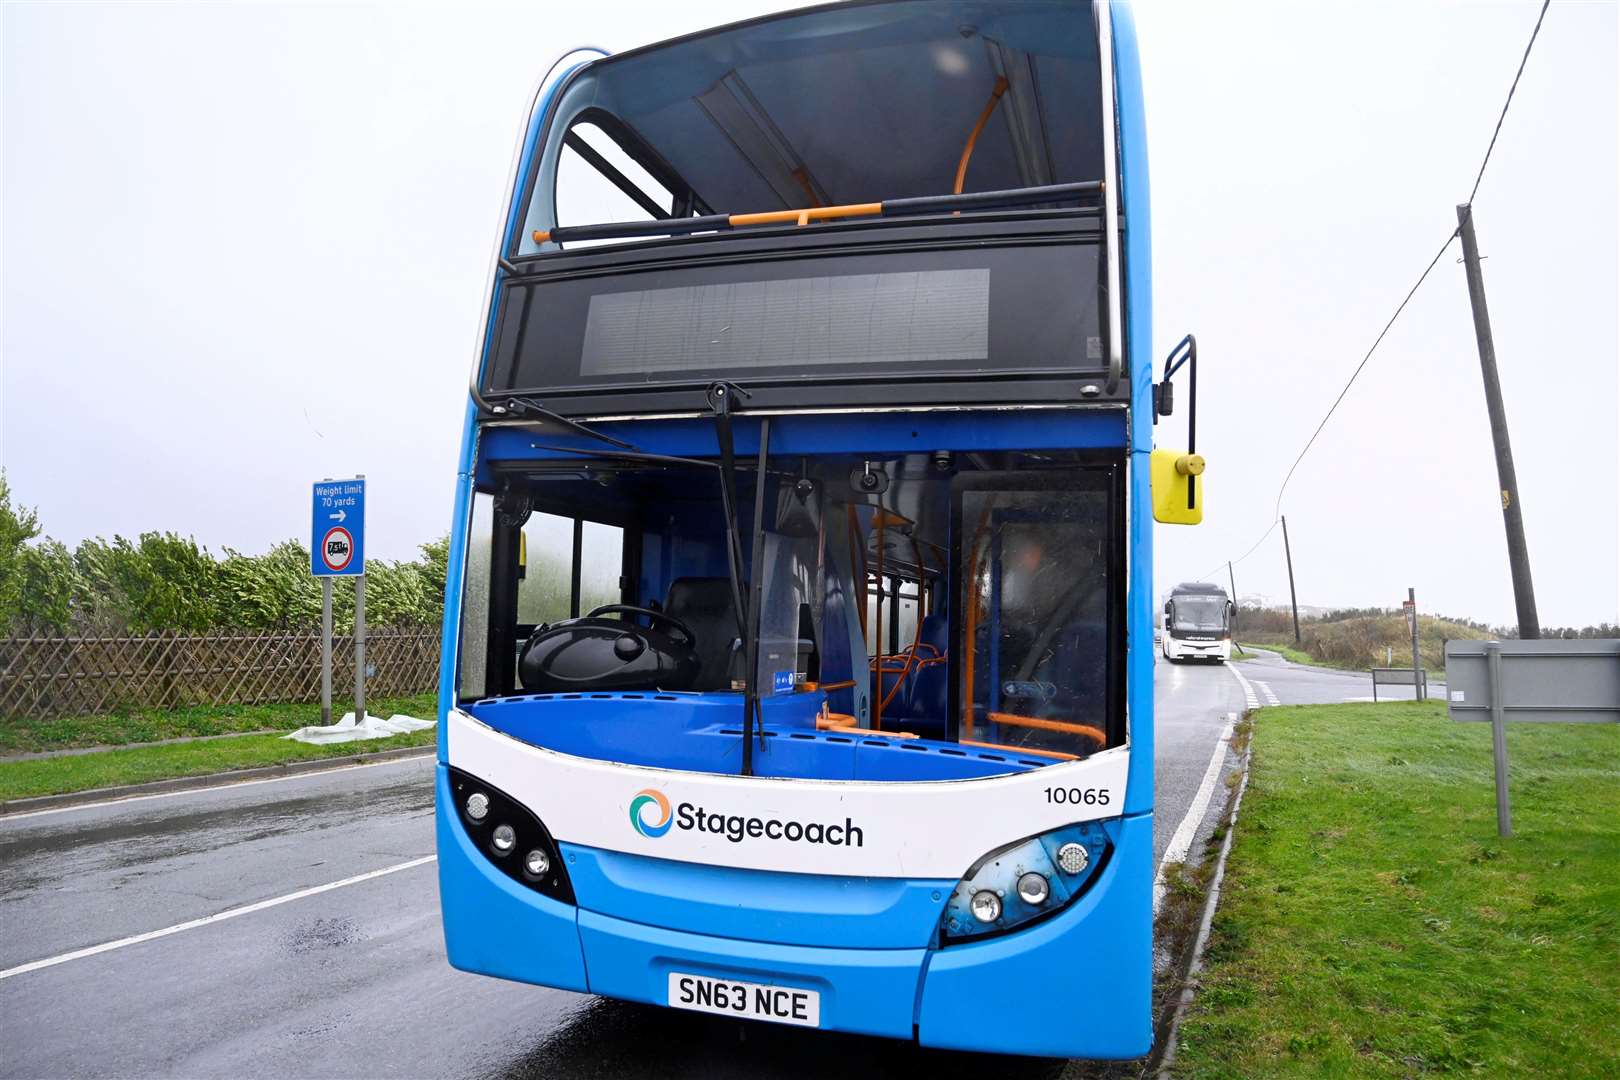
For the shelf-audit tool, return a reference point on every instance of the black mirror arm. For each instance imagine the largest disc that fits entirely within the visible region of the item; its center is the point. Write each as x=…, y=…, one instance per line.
x=1184, y=354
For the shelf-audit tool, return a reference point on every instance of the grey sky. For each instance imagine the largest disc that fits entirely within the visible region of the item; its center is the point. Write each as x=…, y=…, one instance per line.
x=245, y=247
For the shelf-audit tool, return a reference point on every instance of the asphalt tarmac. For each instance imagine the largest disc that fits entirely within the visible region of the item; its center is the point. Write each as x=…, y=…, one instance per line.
x=323, y=975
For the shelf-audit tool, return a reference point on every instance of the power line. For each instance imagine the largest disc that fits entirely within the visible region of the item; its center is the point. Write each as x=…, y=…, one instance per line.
x=1277, y=510
x=1252, y=549
x=1276, y=513
x=1522, y=61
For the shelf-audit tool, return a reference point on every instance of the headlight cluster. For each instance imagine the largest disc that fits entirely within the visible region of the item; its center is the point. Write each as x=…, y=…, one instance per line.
x=512, y=837
x=1024, y=882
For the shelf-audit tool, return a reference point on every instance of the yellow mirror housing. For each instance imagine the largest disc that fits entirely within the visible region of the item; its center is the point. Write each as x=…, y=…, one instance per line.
x=1174, y=477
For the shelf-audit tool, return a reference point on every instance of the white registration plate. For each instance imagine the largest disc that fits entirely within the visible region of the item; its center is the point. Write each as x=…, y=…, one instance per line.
x=757, y=1001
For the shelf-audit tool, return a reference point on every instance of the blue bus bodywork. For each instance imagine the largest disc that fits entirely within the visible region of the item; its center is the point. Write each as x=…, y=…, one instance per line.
x=629, y=774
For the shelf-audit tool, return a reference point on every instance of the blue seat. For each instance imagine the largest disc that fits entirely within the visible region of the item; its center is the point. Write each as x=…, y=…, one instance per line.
x=923, y=696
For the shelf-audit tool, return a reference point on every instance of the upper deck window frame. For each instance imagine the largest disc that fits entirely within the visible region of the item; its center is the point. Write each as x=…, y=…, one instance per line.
x=760, y=54
x=684, y=201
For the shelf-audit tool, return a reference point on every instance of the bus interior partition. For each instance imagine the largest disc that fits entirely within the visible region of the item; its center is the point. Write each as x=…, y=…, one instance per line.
x=925, y=616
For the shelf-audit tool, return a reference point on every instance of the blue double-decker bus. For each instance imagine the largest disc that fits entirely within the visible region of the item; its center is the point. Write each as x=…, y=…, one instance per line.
x=798, y=648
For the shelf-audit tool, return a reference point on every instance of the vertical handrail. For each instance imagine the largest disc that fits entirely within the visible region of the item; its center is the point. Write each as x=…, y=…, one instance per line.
x=1116, y=315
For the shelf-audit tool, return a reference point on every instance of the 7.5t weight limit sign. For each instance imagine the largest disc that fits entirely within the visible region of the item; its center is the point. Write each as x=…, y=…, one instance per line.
x=337, y=541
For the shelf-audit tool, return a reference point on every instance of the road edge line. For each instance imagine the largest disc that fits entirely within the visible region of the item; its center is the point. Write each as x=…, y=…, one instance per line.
x=229, y=913
x=1180, y=842
x=38, y=804
x=1201, y=941
x=1251, y=697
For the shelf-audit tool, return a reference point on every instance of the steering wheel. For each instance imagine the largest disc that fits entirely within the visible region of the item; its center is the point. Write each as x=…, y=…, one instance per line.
x=683, y=634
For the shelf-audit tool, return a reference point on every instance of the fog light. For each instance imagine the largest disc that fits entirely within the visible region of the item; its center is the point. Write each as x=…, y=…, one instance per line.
x=477, y=805
x=536, y=863
x=986, y=906
x=1073, y=858
x=504, y=839
x=1033, y=888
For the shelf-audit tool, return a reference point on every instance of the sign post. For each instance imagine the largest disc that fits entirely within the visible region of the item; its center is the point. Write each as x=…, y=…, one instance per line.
x=1419, y=691
x=1557, y=681
x=337, y=548
x=326, y=652
x=1493, y=665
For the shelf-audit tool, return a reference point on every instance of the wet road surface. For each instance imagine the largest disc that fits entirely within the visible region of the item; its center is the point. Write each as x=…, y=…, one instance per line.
x=352, y=981
x=1278, y=682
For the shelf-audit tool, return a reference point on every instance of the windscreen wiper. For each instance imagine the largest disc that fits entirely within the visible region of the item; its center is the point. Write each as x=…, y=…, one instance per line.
x=720, y=396
x=518, y=407
x=625, y=455
x=753, y=711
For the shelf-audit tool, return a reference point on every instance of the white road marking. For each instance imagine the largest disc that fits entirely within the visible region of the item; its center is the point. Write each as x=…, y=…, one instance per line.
x=1249, y=697
x=218, y=787
x=79, y=954
x=1181, y=840
x=1265, y=688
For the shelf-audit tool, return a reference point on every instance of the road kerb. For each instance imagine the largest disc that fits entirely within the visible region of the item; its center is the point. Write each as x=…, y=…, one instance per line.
x=207, y=780
x=1166, y=1058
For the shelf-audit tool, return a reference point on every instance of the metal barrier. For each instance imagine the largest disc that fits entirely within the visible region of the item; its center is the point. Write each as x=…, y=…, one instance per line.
x=1401, y=676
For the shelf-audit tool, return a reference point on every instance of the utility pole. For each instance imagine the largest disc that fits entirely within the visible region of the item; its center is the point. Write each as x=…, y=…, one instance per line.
x=1524, y=593
x=1293, y=601
x=1417, y=662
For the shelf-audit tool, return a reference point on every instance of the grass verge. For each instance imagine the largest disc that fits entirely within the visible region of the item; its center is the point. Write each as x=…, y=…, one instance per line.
x=1372, y=924
x=1292, y=655
x=1300, y=656
x=138, y=764
x=117, y=729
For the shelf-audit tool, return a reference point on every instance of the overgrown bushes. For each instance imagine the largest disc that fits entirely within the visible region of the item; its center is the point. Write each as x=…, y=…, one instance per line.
x=1370, y=637
x=163, y=581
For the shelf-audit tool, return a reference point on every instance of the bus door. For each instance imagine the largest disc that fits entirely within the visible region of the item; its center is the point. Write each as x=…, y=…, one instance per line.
x=1039, y=612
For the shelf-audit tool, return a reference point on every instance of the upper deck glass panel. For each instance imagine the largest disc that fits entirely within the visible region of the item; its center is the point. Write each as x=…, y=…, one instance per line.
x=858, y=104
x=851, y=104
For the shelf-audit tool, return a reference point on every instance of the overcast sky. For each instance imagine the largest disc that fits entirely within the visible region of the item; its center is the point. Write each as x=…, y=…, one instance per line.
x=245, y=248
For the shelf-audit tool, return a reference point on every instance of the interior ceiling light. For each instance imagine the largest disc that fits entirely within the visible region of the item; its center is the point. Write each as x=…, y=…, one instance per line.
x=735, y=111
x=1021, y=105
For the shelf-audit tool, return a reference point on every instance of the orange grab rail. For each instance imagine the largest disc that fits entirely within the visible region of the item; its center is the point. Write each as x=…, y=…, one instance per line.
x=1060, y=755
x=923, y=204
x=1014, y=720
x=973, y=136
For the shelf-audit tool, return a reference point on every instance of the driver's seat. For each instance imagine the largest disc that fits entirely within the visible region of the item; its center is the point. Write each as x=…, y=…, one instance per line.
x=704, y=604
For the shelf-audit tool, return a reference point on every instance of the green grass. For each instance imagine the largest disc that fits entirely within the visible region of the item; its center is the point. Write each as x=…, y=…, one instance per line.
x=1372, y=924
x=118, y=729
x=135, y=765
x=1300, y=656
x=1287, y=652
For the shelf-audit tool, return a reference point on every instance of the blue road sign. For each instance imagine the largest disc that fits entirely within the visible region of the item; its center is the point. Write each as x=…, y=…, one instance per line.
x=337, y=534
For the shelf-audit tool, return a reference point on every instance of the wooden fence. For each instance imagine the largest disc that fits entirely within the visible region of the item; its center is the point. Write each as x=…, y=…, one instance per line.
x=47, y=677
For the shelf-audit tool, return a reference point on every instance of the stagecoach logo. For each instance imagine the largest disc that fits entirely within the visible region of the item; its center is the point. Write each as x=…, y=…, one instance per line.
x=652, y=803
x=638, y=813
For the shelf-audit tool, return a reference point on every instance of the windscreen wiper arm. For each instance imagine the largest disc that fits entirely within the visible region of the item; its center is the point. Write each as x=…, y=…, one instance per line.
x=517, y=407
x=721, y=395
